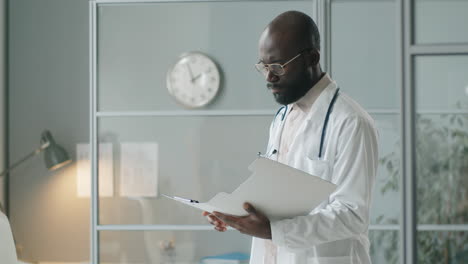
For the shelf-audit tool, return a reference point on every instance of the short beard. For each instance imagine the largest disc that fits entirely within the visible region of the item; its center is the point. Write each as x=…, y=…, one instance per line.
x=297, y=92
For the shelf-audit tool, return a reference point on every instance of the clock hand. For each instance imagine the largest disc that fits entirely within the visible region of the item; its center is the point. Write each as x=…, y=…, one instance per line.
x=196, y=77
x=190, y=72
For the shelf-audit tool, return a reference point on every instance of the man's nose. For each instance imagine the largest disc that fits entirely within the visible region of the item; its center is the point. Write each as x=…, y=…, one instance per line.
x=270, y=77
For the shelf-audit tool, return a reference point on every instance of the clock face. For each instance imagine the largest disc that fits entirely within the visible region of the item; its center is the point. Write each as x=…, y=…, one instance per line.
x=193, y=80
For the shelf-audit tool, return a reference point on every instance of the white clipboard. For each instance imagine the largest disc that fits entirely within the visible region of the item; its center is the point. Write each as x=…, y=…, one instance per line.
x=277, y=190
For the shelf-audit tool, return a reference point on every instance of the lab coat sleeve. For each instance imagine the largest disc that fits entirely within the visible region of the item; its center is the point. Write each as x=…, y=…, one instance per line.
x=347, y=213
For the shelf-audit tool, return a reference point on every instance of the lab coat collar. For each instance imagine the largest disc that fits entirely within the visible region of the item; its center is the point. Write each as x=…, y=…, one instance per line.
x=317, y=114
x=320, y=106
x=306, y=102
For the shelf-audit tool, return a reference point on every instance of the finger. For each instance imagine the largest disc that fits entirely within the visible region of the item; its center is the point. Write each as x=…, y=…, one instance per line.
x=221, y=229
x=213, y=218
x=209, y=217
x=219, y=223
x=228, y=219
x=215, y=221
x=250, y=209
x=231, y=221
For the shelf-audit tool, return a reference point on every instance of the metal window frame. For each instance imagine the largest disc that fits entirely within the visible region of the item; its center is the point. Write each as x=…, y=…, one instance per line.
x=94, y=235
x=408, y=177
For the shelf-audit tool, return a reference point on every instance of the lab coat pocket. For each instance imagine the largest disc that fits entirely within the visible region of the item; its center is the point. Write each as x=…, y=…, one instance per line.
x=319, y=168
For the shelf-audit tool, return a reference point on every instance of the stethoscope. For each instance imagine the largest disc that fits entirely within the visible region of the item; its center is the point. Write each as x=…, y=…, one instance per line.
x=325, y=123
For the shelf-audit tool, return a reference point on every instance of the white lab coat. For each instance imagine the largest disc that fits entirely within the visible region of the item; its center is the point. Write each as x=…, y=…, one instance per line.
x=336, y=232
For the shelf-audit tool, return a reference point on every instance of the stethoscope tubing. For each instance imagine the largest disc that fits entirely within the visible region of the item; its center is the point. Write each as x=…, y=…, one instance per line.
x=325, y=123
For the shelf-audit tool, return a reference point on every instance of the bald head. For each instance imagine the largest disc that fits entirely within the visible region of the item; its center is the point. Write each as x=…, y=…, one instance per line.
x=291, y=40
x=295, y=28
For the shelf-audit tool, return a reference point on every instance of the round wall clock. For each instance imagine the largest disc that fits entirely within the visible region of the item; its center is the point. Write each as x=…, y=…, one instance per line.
x=193, y=80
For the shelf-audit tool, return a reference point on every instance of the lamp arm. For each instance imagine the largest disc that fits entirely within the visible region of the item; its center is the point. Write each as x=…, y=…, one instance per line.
x=34, y=153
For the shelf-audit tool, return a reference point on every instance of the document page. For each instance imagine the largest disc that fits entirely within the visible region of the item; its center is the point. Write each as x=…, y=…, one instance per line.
x=277, y=190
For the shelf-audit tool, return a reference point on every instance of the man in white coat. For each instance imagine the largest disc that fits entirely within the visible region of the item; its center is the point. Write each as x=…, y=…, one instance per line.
x=319, y=130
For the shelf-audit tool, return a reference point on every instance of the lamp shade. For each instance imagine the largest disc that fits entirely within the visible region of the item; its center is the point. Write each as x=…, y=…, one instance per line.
x=54, y=155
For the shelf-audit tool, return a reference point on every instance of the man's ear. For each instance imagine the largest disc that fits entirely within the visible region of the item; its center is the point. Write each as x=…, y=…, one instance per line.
x=313, y=57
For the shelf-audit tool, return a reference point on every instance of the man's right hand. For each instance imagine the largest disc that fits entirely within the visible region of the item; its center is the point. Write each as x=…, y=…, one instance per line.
x=212, y=219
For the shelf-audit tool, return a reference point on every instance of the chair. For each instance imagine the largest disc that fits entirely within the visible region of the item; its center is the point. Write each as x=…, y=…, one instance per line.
x=7, y=245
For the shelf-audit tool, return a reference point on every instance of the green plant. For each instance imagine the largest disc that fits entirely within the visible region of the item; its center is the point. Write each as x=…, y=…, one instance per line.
x=441, y=189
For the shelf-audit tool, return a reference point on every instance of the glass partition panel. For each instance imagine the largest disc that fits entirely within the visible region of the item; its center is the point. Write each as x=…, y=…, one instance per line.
x=441, y=83
x=139, y=43
x=368, y=75
x=194, y=157
x=384, y=246
x=442, y=247
x=363, y=61
x=442, y=139
x=440, y=21
x=187, y=247
x=385, y=209
x=442, y=168
x=441, y=151
x=364, y=51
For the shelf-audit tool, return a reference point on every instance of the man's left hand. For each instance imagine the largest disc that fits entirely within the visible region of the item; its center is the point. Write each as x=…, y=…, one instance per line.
x=255, y=223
